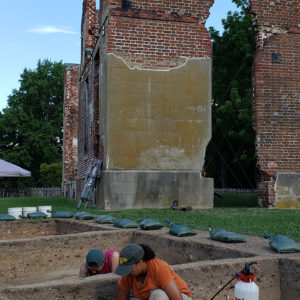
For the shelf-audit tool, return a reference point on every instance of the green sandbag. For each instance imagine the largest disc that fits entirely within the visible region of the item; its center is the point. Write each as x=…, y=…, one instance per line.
x=62, y=214
x=37, y=215
x=83, y=215
x=181, y=230
x=226, y=236
x=105, y=219
x=149, y=224
x=283, y=244
x=125, y=223
x=5, y=217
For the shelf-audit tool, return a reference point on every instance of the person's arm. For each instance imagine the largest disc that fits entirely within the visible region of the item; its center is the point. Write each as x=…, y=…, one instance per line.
x=83, y=271
x=122, y=294
x=114, y=261
x=172, y=291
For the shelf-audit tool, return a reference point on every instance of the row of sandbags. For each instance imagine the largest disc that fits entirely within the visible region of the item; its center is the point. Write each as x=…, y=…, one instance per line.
x=279, y=243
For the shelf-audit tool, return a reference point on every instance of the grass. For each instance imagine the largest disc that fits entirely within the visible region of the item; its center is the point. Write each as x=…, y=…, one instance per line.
x=234, y=213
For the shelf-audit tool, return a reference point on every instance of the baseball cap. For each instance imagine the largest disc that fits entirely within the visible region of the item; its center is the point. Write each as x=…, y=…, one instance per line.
x=129, y=256
x=94, y=258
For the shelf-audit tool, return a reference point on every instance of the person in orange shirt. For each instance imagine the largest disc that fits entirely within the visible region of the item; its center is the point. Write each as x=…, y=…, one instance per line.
x=148, y=277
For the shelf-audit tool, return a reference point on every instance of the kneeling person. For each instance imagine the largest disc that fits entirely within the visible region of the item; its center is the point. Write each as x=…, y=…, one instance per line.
x=97, y=262
x=148, y=277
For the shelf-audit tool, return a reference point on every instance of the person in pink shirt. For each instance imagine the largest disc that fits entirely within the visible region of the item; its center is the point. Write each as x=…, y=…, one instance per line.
x=98, y=262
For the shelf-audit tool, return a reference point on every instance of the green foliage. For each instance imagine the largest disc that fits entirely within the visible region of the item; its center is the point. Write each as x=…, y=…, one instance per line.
x=230, y=157
x=31, y=124
x=51, y=174
x=235, y=199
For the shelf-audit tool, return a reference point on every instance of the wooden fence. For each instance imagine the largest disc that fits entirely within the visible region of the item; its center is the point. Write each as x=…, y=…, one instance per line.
x=57, y=191
x=234, y=190
x=31, y=192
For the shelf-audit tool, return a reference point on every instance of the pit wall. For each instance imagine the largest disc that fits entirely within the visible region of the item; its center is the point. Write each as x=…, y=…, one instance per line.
x=203, y=278
x=34, y=228
x=23, y=229
x=34, y=260
x=277, y=100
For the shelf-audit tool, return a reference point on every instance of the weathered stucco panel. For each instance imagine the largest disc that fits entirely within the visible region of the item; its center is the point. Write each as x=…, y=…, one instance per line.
x=287, y=190
x=158, y=119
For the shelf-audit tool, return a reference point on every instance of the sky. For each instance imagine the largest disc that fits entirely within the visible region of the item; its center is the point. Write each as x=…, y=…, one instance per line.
x=38, y=29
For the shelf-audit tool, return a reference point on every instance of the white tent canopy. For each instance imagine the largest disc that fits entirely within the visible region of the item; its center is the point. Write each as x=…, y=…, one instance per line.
x=10, y=170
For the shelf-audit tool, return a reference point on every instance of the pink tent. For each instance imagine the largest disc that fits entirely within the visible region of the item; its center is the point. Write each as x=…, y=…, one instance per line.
x=10, y=170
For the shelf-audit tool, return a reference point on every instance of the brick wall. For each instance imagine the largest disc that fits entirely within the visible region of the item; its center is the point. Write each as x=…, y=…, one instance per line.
x=88, y=111
x=276, y=79
x=70, y=124
x=155, y=44
x=158, y=34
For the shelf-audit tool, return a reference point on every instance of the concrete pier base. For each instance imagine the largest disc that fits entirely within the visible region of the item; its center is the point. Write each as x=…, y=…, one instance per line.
x=120, y=189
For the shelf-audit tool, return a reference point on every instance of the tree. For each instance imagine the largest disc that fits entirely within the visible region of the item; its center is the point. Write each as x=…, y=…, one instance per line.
x=230, y=157
x=51, y=174
x=31, y=124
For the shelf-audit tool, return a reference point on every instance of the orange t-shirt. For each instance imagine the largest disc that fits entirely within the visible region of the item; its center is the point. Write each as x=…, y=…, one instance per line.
x=159, y=275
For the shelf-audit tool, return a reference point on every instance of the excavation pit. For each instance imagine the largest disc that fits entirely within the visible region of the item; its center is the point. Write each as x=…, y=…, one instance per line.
x=26, y=228
x=47, y=266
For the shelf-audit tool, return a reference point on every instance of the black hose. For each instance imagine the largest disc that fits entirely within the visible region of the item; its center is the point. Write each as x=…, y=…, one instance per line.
x=222, y=288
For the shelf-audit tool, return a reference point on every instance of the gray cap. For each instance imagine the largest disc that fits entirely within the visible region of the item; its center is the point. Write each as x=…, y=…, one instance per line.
x=129, y=256
x=94, y=258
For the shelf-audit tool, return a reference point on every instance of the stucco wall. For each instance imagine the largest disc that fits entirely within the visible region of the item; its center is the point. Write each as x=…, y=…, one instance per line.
x=158, y=119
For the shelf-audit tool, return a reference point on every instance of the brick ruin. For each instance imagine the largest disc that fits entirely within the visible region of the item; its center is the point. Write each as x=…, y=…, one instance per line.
x=276, y=107
x=70, y=123
x=164, y=35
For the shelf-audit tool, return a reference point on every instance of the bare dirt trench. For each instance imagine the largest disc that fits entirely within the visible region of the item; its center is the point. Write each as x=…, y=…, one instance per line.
x=41, y=259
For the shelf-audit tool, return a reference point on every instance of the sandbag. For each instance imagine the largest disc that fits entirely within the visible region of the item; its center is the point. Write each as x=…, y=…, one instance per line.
x=283, y=244
x=62, y=214
x=125, y=223
x=105, y=219
x=5, y=217
x=83, y=215
x=37, y=215
x=149, y=224
x=226, y=236
x=181, y=230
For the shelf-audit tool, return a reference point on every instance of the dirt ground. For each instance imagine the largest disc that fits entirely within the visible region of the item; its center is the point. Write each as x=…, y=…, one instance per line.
x=41, y=259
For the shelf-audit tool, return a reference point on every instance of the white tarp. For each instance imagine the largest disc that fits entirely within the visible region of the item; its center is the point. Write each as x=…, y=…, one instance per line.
x=10, y=170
